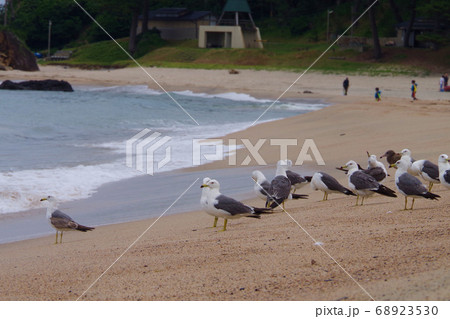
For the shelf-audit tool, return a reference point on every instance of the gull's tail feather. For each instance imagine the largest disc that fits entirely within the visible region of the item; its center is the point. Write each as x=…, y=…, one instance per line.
x=84, y=228
x=308, y=178
x=258, y=211
x=299, y=196
x=429, y=195
x=386, y=191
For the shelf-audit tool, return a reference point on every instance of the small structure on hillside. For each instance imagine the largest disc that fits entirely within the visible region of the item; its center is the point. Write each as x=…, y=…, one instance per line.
x=177, y=23
x=420, y=26
x=235, y=29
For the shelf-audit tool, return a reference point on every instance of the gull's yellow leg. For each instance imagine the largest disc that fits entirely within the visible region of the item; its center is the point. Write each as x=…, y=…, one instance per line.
x=324, y=196
x=362, y=200
x=430, y=186
x=406, y=201
x=224, y=225
x=215, y=221
x=282, y=204
x=60, y=238
x=357, y=199
x=56, y=239
x=412, y=205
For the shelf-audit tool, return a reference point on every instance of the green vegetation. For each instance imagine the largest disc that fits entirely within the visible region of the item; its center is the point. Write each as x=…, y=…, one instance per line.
x=294, y=34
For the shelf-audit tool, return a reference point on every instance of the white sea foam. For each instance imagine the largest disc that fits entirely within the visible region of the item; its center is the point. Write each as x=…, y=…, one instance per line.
x=228, y=96
x=138, y=89
x=22, y=190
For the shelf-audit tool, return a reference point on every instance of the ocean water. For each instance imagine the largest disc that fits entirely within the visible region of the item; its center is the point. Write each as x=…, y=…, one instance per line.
x=69, y=144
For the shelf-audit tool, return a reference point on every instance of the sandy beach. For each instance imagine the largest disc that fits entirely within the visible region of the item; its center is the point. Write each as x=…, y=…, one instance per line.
x=378, y=250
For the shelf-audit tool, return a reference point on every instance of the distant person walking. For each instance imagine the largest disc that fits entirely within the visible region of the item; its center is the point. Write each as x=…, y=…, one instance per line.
x=413, y=90
x=445, y=80
x=377, y=94
x=346, y=85
x=442, y=83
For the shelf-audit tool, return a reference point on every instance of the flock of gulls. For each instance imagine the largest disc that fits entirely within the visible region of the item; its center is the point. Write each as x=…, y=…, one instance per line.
x=362, y=183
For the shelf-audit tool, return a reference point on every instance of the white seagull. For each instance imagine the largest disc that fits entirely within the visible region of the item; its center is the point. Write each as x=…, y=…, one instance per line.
x=409, y=185
x=226, y=207
x=444, y=170
x=406, y=154
x=60, y=221
x=262, y=185
x=365, y=185
x=328, y=184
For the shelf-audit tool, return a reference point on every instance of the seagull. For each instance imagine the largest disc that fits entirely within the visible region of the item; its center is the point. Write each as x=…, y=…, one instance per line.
x=262, y=187
x=204, y=200
x=413, y=170
x=226, y=207
x=297, y=180
x=60, y=221
x=376, y=169
x=280, y=187
x=391, y=156
x=428, y=171
x=328, y=184
x=365, y=185
x=409, y=185
x=444, y=170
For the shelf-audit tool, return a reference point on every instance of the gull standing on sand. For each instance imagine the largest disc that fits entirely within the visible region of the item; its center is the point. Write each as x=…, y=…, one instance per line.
x=280, y=187
x=391, y=156
x=204, y=200
x=376, y=169
x=409, y=185
x=413, y=170
x=60, y=221
x=226, y=207
x=262, y=185
x=328, y=184
x=444, y=170
x=428, y=171
x=297, y=180
x=365, y=185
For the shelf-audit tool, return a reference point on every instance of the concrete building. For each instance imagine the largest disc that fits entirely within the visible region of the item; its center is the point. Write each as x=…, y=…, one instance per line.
x=235, y=29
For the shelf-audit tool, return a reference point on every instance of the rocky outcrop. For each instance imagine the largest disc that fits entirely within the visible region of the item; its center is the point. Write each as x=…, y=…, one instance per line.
x=44, y=85
x=14, y=54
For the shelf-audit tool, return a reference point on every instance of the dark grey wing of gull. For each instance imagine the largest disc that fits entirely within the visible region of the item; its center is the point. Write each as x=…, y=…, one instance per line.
x=232, y=206
x=280, y=187
x=431, y=169
x=376, y=172
x=265, y=188
x=333, y=184
x=411, y=185
x=363, y=181
x=61, y=221
x=295, y=178
x=447, y=176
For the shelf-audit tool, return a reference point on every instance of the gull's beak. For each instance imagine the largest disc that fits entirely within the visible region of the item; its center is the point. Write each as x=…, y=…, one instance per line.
x=42, y=199
x=204, y=185
x=448, y=160
x=345, y=166
x=382, y=155
x=368, y=155
x=393, y=165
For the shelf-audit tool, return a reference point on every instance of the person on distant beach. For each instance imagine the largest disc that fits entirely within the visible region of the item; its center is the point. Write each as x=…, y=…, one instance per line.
x=441, y=83
x=445, y=80
x=413, y=90
x=377, y=94
x=346, y=85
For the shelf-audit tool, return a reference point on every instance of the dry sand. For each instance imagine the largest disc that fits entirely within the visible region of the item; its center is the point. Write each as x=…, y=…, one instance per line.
x=392, y=254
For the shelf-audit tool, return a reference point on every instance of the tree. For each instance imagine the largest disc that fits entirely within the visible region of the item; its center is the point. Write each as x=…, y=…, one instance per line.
x=376, y=41
x=410, y=24
x=396, y=11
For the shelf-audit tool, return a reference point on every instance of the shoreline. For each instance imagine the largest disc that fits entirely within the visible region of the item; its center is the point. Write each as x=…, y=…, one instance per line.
x=394, y=255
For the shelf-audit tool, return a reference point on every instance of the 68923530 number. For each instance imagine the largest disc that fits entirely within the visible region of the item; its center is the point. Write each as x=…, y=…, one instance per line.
x=407, y=310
